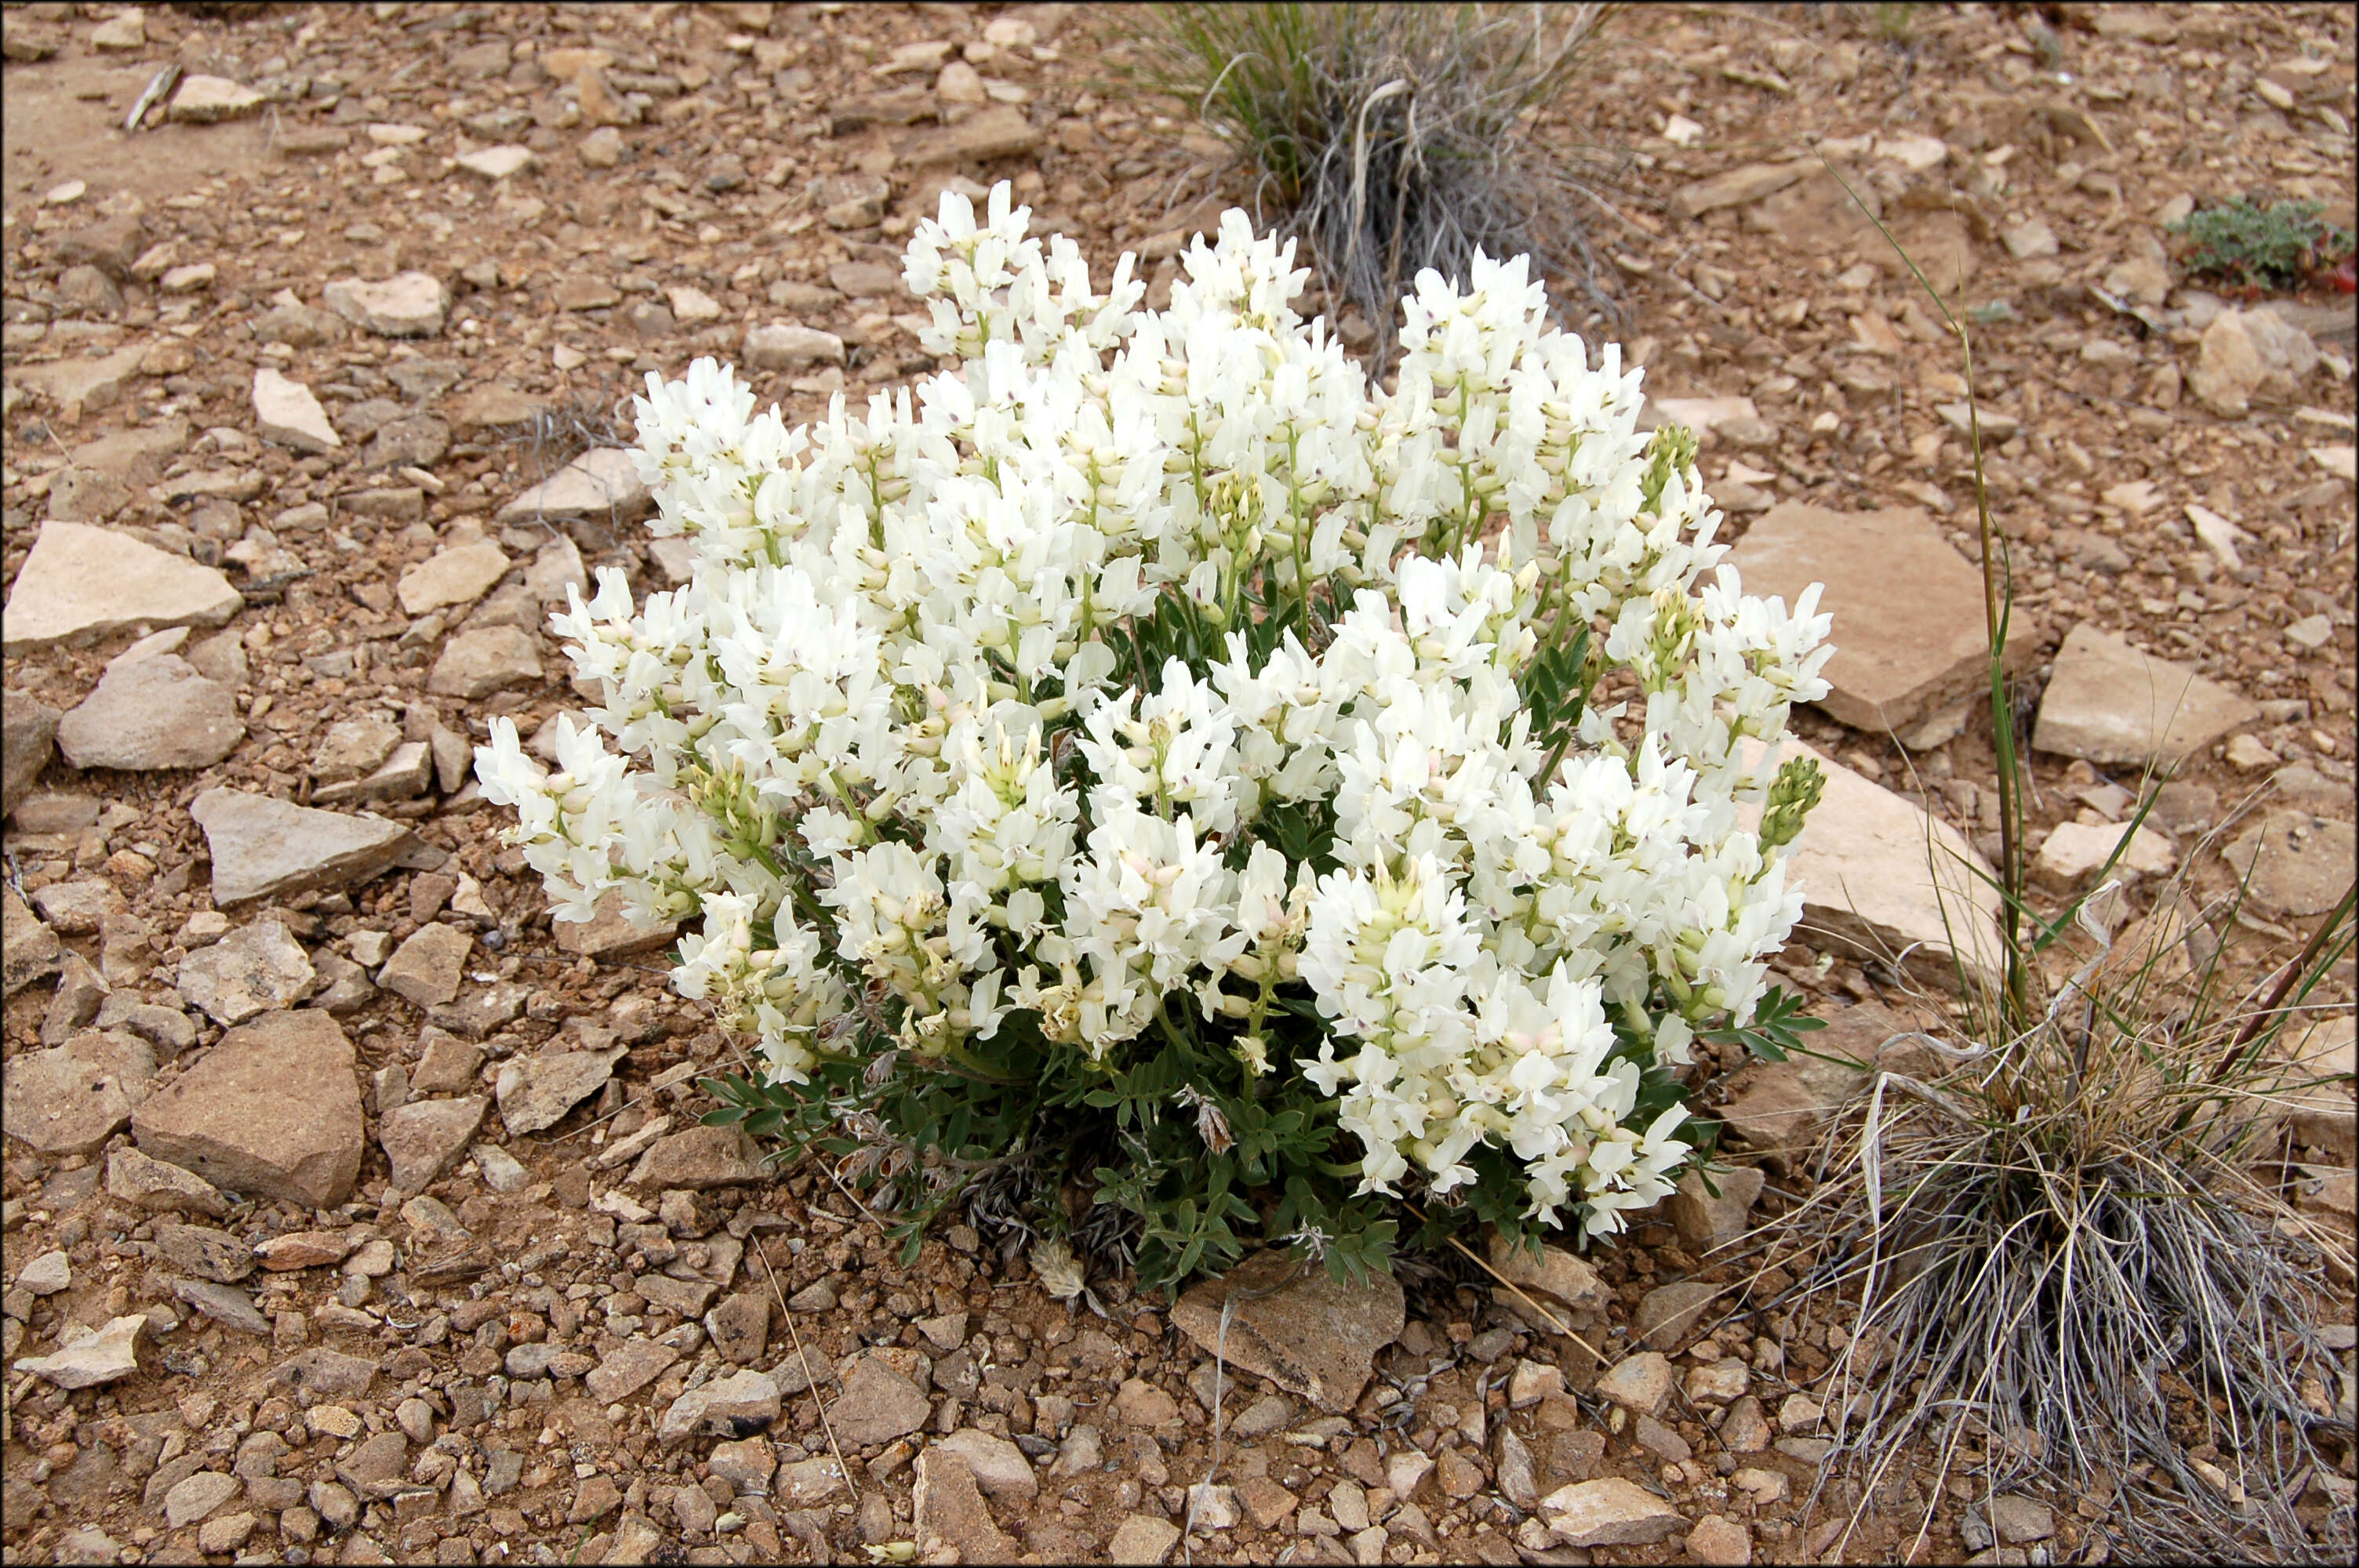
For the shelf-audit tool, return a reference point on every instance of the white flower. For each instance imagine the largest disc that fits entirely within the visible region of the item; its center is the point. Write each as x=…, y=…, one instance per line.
x=896, y=753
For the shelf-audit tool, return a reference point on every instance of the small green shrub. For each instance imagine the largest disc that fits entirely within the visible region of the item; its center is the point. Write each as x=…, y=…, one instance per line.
x=2251, y=246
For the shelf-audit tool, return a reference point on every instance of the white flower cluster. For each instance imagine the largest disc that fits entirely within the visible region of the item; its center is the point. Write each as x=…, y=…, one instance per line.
x=886, y=743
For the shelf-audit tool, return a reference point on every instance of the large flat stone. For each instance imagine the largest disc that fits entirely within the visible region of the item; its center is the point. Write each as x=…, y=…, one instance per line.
x=534, y=1092
x=601, y=482
x=1311, y=1335
x=2107, y=702
x=149, y=714
x=82, y=582
x=273, y=1110
x=1880, y=879
x=84, y=387
x=1908, y=634
x=74, y=1096
x=263, y=848
x=1750, y=182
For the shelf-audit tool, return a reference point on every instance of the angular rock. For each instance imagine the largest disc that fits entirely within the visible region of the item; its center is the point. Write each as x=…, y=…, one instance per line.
x=411, y=305
x=733, y=1405
x=1667, y=1312
x=425, y=1138
x=203, y=100
x=2075, y=852
x=225, y=1304
x=354, y=748
x=739, y=1327
x=147, y=1182
x=1639, y=1384
x=2107, y=702
x=460, y=576
x=610, y=933
x=263, y=848
x=699, y=1159
x=495, y=408
x=286, y=412
x=1142, y=1539
x=1557, y=1277
x=628, y=1368
x=1312, y=1336
x=81, y=582
x=418, y=440
x=1719, y=1541
x=2248, y=357
x=999, y=1467
x=784, y=346
x=603, y=481
x=253, y=971
x=1880, y=879
x=998, y=132
x=304, y=1250
x=1705, y=1222
x=534, y=1092
x=1609, y=1512
x=78, y=386
x=29, y=732
x=273, y=1110
x=28, y=949
x=1737, y=187
x=478, y=663
x=877, y=1405
x=74, y=1096
x=1779, y=1106
x=2294, y=863
x=949, y=1512
x=747, y=1465
x=207, y=1253
x=426, y=969
x=79, y=907
x=2020, y=1521
x=498, y=163
x=149, y=714
x=1908, y=609
x=808, y=1483
x=93, y=1356
x=48, y=1274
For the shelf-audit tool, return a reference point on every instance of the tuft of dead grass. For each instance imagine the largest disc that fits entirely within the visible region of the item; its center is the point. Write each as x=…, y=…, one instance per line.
x=2070, y=1271
x=1393, y=138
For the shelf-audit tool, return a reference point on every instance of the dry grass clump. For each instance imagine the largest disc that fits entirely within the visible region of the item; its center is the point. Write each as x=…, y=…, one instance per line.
x=1393, y=137
x=2069, y=1270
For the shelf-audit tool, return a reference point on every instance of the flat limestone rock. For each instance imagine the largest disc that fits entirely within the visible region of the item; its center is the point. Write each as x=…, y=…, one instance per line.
x=82, y=582
x=1750, y=182
x=2294, y=863
x=610, y=933
x=534, y=1092
x=255, y=969
x=411, y=305
x=699, y=1159
x=428, y=967
x=1909, y=631
x=2107, y=702
x=1610, y=1512
x=424, y=1139
x=782, y=345
x=150, y=714
x=28, y=948
x=95, y=1356
x=202, y=100
x=263, y=848
x=451, y=577
x=477, y=663
x=72, y=1098
x=601, y=480
x=273, y=1110
x=1311, y=1335
x=286, y=412
x=1876, y=874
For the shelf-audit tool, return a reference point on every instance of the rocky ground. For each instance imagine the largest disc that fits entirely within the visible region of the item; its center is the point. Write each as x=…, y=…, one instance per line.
x=352, y=1211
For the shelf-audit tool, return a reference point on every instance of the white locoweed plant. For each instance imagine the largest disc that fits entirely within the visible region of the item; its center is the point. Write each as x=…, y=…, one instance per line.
x=1149, y=758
